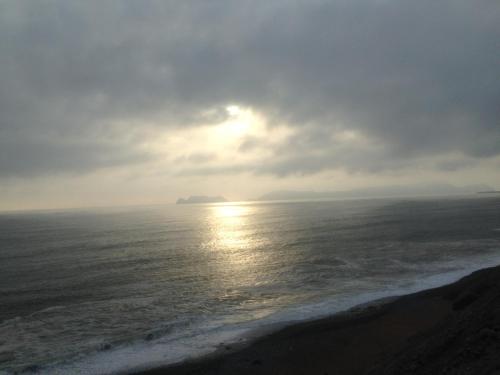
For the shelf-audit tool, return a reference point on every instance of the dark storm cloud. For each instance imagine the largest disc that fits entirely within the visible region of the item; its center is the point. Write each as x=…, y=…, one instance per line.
x=419, y=78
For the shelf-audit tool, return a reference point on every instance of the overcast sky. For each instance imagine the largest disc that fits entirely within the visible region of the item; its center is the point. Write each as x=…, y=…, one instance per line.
x=138, y=102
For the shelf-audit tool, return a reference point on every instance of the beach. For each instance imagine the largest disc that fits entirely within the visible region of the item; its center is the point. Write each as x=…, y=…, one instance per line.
x=453, y=329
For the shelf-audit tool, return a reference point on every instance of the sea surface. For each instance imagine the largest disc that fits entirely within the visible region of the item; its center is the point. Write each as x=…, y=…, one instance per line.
x=103, y=291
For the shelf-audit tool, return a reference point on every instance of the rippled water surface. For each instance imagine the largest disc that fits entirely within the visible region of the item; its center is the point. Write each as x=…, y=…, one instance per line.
x=106, y=290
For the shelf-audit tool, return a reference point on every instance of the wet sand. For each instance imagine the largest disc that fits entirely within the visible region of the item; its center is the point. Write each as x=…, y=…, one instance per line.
x=454, y=329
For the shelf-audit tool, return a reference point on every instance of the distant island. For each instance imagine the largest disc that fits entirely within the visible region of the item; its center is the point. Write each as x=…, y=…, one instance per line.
x=489, y=192
x=201, y=199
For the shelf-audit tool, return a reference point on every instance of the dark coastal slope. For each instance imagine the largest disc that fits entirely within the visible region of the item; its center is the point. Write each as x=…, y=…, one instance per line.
x=453, y=329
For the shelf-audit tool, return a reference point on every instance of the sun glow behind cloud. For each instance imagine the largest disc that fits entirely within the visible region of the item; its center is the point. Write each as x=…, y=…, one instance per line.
x=241, y=122
x=242, y=137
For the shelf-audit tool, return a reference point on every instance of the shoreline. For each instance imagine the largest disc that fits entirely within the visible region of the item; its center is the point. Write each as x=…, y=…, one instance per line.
x=402, y=334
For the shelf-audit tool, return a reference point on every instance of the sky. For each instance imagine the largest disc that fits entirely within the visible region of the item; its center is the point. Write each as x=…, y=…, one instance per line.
x=142, y=102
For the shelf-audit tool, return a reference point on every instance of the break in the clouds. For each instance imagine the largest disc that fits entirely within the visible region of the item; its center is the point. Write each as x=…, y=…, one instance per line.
x=357, y=85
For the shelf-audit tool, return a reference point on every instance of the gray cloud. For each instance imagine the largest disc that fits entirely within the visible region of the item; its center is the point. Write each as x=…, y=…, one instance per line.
x=456, y=164
x=196, y=158
x=417, y=78
x=26, y=158
x=251, y=143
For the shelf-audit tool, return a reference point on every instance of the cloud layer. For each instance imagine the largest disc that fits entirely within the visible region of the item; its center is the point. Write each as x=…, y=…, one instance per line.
x=81, y=81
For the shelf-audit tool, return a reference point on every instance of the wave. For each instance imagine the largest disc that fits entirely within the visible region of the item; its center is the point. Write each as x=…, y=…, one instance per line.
x=178, y=343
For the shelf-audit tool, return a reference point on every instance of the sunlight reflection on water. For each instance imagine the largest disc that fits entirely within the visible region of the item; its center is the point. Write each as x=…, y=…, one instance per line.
x=239, y=250
x=228, y=227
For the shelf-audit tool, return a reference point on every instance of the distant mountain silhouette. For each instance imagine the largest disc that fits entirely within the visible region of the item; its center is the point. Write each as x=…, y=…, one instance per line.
x=376, y=192
x=200, y=199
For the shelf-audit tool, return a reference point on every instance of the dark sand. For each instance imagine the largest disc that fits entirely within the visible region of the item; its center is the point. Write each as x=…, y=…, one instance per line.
x=453, y=329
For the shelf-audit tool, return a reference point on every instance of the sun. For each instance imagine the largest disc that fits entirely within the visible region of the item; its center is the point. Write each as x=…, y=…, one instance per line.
x=233, y=110
x=239, y=122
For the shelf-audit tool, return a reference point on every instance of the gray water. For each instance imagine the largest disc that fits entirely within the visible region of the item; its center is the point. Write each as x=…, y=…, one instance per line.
x=108, y=290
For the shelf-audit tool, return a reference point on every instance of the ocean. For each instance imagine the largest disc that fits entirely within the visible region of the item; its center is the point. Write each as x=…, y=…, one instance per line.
x=105, y=291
